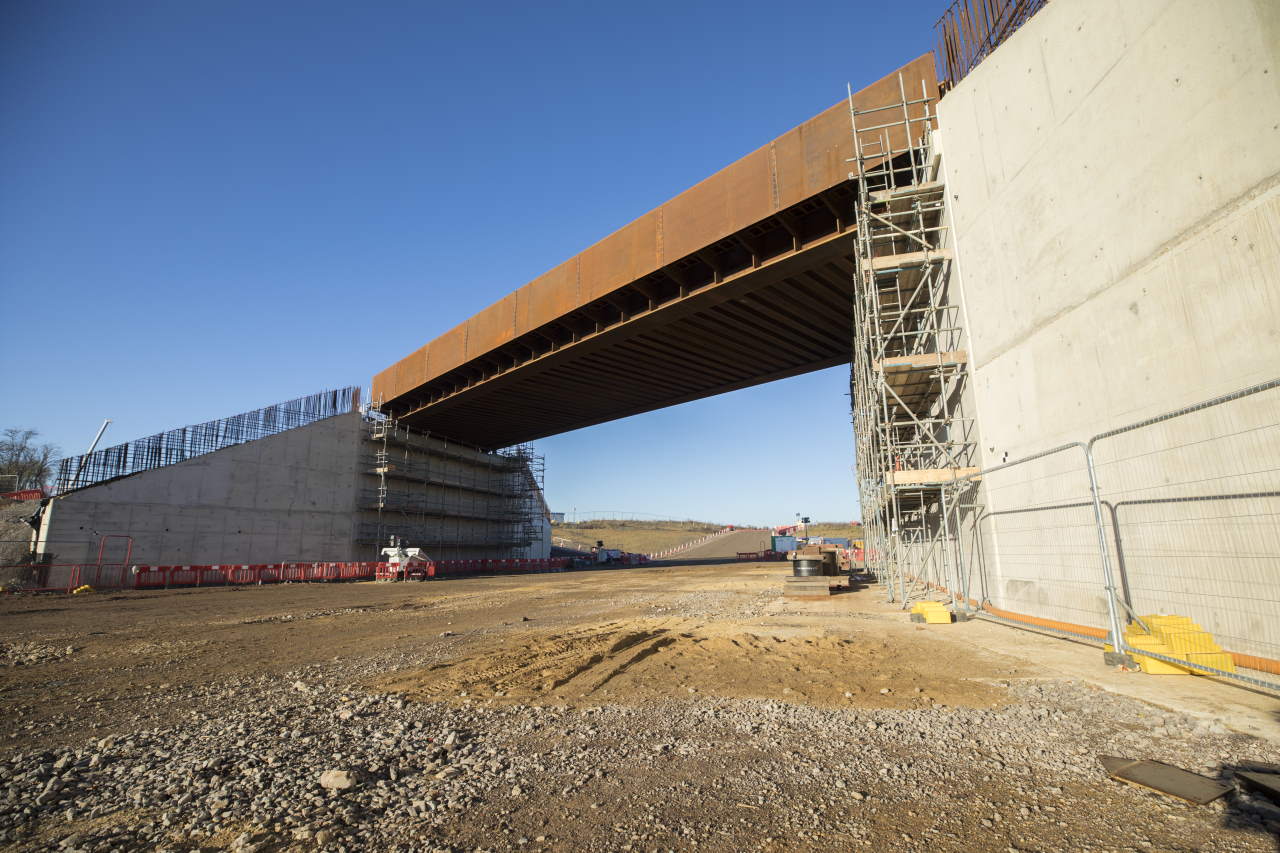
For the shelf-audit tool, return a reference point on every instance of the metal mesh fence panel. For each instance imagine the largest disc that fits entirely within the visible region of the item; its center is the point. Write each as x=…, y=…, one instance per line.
x=1033, y=544
x=1192, y=507
x=1161, y=538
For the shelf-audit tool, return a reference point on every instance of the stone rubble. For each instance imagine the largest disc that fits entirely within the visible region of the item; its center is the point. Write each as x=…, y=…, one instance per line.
x=32, y=654
x=266, y=766
x=307, y=760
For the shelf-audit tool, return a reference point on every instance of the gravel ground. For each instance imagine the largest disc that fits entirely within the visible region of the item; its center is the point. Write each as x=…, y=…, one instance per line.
x=312, y=758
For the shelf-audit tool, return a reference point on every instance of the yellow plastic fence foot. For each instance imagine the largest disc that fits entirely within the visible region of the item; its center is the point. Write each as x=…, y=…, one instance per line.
x=1179, y=638
x=931, y=612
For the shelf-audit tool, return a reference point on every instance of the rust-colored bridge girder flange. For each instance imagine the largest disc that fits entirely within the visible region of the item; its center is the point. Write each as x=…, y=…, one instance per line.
x=742, y=279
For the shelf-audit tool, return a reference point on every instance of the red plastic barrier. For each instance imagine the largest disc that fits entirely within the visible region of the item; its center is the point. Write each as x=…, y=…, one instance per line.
x=210, y=576
x=24, y=495
x=183, y=575
x=67, y=577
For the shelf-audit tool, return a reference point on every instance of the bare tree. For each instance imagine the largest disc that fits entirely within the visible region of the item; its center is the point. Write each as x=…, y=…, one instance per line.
x=21, y=457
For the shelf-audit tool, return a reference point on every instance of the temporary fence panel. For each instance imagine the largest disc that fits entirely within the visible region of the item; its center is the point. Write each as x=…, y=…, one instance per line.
x=1176, y=517
x=1192, y=505
x=1036, y=550
x=685, y=546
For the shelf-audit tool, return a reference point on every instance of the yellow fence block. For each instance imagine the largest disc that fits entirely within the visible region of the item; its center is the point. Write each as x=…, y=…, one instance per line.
x=1185, y=642
x=1176, y=637
x=934, y=612
x=1153, y=666
x=1217, y=660
x=1165, y=619
x=1171, y=627
x=1175, y=627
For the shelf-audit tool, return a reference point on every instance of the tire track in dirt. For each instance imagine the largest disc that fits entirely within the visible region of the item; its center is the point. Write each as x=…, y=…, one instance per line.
x=643, y=660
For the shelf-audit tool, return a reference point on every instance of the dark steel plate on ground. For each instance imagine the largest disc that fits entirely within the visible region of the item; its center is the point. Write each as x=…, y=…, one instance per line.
x=1267, y=784
x=1164, y=779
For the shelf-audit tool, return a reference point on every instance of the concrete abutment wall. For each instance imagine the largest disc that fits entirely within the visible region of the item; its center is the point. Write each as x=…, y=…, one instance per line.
x=289, y=496
x=303, y=495
x=1113, y=171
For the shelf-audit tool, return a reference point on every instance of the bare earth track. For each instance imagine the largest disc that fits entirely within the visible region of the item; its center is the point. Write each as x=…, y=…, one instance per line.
x=664, y=708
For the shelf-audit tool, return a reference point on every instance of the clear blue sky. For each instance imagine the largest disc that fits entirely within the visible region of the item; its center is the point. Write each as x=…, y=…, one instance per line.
x=206, y=207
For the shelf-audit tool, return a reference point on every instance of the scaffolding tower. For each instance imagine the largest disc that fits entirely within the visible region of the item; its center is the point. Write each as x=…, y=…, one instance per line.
x=454, y=501
x=907, y=383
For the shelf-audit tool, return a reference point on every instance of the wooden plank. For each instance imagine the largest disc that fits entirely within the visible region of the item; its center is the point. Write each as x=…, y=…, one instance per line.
x=904, y=192
x=910, y=259
x=929, y=476
x=1164, y=779
x=922, y=361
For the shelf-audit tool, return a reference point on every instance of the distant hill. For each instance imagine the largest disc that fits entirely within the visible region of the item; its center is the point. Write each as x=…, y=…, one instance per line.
x=645, y=537
x=640, y=537
x=840, y=529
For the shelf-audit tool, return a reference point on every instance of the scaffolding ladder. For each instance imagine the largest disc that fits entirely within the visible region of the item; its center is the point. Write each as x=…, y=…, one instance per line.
x=380, y=432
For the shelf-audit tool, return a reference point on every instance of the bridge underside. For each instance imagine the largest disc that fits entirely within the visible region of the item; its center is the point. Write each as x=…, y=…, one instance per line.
x=754, y=324
x=745, y=278
x=789, y=315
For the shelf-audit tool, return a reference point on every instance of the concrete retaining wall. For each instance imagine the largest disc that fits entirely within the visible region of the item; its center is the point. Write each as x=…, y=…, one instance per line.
x=1113, y=171
x=308, y=494
x=290, y=496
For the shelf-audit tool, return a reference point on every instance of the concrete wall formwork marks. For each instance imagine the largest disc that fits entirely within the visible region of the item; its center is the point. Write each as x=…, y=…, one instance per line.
x=290, y=496
x=1113, y=171
x=307, y=494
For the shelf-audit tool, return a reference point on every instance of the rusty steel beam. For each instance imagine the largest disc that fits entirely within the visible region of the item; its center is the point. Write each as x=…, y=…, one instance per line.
x=702, y=299
x=508, y=421
x=741, y=260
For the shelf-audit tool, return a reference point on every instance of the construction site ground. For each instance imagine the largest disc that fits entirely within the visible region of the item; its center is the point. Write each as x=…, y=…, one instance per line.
x=668, y=707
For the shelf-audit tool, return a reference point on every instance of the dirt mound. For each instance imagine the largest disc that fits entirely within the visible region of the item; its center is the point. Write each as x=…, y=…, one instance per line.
x=15, y=536
x=638, y=661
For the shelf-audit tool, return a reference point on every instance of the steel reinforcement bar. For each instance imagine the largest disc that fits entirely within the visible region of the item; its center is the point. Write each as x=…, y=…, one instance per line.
x=970, y=29
x=178, y=445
